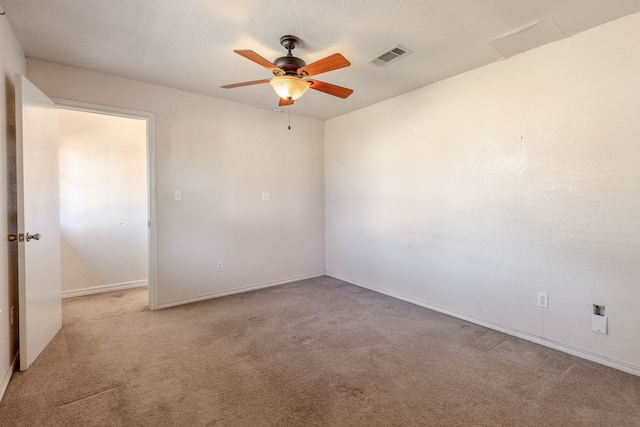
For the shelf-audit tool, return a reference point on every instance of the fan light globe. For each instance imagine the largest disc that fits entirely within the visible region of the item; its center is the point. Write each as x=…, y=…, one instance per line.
x=289, y=87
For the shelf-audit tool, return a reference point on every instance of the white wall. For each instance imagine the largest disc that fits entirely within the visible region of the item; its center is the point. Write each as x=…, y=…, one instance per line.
x=11, y=61
x=480, y=191
x=222, y=156
x=103, y=201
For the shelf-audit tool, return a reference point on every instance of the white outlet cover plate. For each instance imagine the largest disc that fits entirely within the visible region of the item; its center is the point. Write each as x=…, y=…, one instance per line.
x=543, y=300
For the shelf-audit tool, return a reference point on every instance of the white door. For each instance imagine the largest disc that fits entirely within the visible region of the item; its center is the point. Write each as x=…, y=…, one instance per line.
x=38, y=220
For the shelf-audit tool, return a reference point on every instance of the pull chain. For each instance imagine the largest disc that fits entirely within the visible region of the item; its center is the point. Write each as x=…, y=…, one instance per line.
x=289, y=113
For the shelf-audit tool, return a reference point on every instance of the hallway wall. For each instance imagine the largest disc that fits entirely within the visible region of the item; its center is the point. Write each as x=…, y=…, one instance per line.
x=103, y=202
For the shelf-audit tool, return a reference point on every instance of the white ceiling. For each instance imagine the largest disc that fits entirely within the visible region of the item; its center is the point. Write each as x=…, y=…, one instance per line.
x=188, y=44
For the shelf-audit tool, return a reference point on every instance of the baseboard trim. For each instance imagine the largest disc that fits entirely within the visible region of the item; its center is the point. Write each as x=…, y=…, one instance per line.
x=241, y=290
x=7, y=376
x=104, y=288
x=621, y=366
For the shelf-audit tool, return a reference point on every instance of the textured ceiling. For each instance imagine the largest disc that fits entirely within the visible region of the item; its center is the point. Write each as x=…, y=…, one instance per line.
x=188, y=44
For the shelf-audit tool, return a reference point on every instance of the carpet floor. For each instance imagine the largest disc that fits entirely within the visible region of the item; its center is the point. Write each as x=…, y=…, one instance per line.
x=318, y=352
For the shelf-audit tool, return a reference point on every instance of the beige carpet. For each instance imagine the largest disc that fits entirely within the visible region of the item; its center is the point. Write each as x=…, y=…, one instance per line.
x=318, y=352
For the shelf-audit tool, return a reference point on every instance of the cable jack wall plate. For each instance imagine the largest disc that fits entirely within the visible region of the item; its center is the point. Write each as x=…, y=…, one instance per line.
x=599, y=324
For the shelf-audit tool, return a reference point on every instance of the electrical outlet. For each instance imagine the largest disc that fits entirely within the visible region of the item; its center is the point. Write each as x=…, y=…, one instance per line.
x=379, y=263
x=177, y=195
x=543, y=300
x=13, y=315
x=220, y=266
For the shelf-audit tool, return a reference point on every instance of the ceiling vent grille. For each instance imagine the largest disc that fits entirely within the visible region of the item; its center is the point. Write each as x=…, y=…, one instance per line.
x=390, y=55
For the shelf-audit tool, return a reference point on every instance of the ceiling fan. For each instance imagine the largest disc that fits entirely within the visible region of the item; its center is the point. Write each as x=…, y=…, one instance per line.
x=292, y=74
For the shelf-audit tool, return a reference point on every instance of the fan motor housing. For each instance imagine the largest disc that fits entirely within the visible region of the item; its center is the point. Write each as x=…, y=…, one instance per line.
x=289, y=64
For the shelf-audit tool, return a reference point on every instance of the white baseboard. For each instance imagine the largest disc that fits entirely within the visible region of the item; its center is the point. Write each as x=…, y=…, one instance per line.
x=634, y=370
x=7, y=376
x=240, y=290
x=104, y=288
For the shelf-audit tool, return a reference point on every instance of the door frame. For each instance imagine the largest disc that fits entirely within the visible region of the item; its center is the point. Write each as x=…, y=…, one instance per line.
x=152, y=223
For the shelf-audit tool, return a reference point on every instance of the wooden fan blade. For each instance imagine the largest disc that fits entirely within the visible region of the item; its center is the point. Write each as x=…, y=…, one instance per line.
x=339, y=91
x=329, y=63
x=255, y=82
x=285, y=102
x=251, y=55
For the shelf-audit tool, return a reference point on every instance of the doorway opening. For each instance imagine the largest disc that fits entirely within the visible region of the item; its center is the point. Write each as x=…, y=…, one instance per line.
x=107, y=224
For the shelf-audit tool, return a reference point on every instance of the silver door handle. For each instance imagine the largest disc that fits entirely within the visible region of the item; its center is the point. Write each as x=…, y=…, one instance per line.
x=33, y=236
